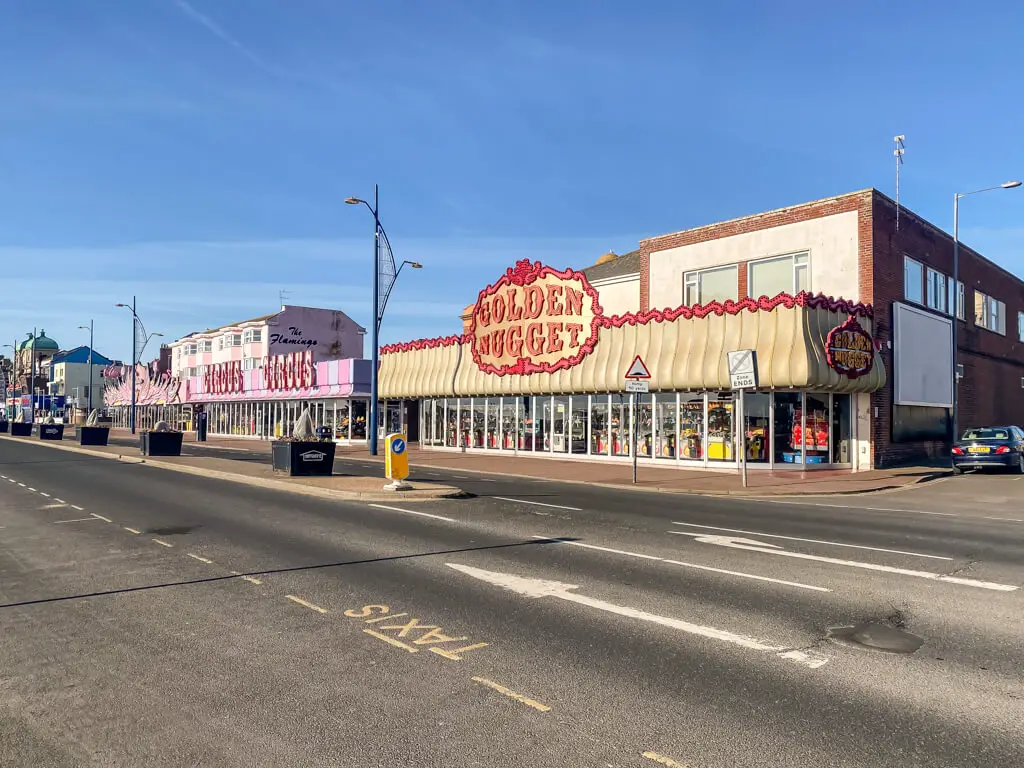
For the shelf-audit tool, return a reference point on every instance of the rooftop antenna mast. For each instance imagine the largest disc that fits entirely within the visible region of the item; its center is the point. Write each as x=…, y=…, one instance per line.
x=898, y=152
x=283, y=296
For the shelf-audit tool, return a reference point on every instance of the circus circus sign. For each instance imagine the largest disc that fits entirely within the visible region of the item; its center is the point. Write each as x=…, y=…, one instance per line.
x=534, y=320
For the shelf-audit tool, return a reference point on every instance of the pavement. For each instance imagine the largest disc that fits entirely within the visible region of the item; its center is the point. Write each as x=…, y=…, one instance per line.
x=164, y=619
x=650, y=477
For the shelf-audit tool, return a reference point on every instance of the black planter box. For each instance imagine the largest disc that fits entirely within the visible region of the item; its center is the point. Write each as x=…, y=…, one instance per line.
x=93, y=435
x=303, y=459
x=51, y=431
x=21, y=429
x=160, y=443
x=4, y=426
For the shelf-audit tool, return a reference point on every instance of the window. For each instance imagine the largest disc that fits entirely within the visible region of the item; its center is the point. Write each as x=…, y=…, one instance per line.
x=1020, y=326
x=913, y=280
x=233, y=340
x=253, y=336
x=206, y=345
x=989, y=313
x=707, y=285
x=250, y=363
x=220, y=343
x=959, y=298
x=783, y=274
x=190, y=349
x=936, y=295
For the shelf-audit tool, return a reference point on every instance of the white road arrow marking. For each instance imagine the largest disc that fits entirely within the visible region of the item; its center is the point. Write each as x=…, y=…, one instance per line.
x=530, y=587
x=750, y=545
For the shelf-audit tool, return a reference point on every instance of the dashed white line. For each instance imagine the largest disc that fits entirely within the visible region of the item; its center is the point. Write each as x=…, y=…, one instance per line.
x=22, y=485
x=41, y=493
x=9, y=480
x=687, y=565
x=136, y=531
x=199, y=558
x=538, y=503
x=101, y=517
x=1007, y=519
x=812, y=541
x=305, y=604
x=59, y=501
x=76, y=520
x=163, y=543
x=412, y=512
x=75, y=506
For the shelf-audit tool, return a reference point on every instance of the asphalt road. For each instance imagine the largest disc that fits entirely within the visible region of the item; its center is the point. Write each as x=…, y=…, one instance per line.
x=153, y=618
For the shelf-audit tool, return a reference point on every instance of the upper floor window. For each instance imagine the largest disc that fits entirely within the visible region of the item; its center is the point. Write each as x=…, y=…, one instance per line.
x=989, y=313
x=707, y=285
x=250, y=363
x=936, y=295
x=958, y=300
x=233, y=340
x=913, y=280
x=206, y=345
x=253, y=336
x=781, y=274
x=1020, y=326
x=190, y=349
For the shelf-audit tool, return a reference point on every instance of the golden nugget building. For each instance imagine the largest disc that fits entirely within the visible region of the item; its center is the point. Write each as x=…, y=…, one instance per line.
x=539, y=370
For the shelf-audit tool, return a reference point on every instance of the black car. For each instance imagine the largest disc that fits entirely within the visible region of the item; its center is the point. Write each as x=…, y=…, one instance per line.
x=989, y=447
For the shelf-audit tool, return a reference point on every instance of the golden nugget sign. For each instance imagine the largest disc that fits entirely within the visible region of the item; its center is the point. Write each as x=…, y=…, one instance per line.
x=534, y=320
x=850, y=350
x=292, y=371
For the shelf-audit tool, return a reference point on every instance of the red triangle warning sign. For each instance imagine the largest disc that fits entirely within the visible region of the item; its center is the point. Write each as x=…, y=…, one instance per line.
x=638, y=370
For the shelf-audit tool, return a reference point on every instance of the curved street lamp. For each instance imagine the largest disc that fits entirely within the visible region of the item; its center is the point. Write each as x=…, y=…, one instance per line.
x=956, y=288
x=136, y=353
x=384, y=277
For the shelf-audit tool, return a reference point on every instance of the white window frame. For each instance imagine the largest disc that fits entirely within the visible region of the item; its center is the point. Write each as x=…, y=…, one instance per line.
x=233, y=340
x=936, y=290
x=206, y=345
x=920, y=297
x=693, y=280
x=1020, y=326
x=253, y=336
x=989, y=313
x=959, y=298
x=190, y=349
x=801, y=263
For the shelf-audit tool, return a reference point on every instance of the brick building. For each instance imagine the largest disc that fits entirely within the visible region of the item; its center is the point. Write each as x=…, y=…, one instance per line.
x=851, y=321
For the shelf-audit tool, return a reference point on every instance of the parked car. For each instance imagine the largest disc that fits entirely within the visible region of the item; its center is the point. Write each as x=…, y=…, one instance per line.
x=987, y=447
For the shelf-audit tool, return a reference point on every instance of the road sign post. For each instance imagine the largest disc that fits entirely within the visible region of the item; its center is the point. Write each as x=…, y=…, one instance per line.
x=396, y=462
x=637, y=383
x=742, y=376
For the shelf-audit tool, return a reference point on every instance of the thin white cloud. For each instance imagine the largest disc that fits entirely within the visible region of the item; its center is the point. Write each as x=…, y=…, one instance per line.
x=218, y=31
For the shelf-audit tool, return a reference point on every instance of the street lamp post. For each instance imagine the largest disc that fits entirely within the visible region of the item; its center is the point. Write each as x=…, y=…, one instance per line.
x=90, y=329
x=380, y=300
x=136, y=353
x=956, y=289
x=14, y=375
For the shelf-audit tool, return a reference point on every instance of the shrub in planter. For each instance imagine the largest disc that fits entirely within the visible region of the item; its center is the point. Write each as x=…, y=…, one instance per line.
x=160, y=441
x=20, y=427
x=304, y=454
x=92, y=433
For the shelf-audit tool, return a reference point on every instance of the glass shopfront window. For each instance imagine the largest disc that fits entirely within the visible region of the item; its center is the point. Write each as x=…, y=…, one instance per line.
x=358, y=417
x=666, y=420
x=842, y=429
x=542, y=411
x=451, y=422
x=579, y=421
x=437, y=435
x=788, y=418
x=645, y=425
x=691, y=427
x=511, y=408
x=492, y=439
x=816, y=429
x=560, y=424
x=621, y=425
x=756, y=426
x=599, y=434
x=479, y=422
x=721, y=428
x=530, y=434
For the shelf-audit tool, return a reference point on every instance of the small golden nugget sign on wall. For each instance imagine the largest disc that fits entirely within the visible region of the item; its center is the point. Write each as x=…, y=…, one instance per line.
x=534, y=320
x=850, y=350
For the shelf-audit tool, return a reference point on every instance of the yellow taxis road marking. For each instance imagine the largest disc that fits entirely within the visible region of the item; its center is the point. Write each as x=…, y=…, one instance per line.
x=391, y=641
x=512, y=694
x=662, y=759
x=200, y=559
x=101, y=517
x=305, y=604
x=133, y=530
x=163, y=543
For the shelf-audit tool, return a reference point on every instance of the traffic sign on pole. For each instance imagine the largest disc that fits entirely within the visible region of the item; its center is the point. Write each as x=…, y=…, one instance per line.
x=638, y=370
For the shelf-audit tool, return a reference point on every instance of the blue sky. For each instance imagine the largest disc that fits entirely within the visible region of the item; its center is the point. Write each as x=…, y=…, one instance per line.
x=196, y=154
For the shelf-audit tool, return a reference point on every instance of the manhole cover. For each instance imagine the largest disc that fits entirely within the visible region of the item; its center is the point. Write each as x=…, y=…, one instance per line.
x=878, y=636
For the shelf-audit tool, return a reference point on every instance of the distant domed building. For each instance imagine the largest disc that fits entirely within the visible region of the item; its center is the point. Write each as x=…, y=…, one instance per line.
x=42, y=348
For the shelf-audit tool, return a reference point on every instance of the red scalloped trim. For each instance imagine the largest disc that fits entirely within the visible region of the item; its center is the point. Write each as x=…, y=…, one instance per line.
x=763, y=304
x=852, y=326
x=411, y=346
x=525, y=273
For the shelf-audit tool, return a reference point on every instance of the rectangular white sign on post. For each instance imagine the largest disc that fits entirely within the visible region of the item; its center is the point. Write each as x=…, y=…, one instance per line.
x=743, y=369
x=638, y=386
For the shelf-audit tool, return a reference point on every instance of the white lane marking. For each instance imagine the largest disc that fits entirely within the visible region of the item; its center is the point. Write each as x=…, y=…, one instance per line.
x=486, y=480
x=77, y=520
x=1007, y=519
x=813, y=541
x=849, y=506
x=162, y=543
x=538, y=503
x=771, y=549
x=59, y=500
x=460, y=477
x=412, y=512
x=686, y=565
x=529, y=587
x=41, y=493
x=53, y=506
x=200, y=559
x=75, y=506
x=937, y=514
x=101, y=517
x=22, y=485
x=31, y=489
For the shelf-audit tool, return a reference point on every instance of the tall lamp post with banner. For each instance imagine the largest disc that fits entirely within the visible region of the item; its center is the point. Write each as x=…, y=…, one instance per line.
x=385, y=274
x=742, y=376
x=638, y=382
x=138, y=334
